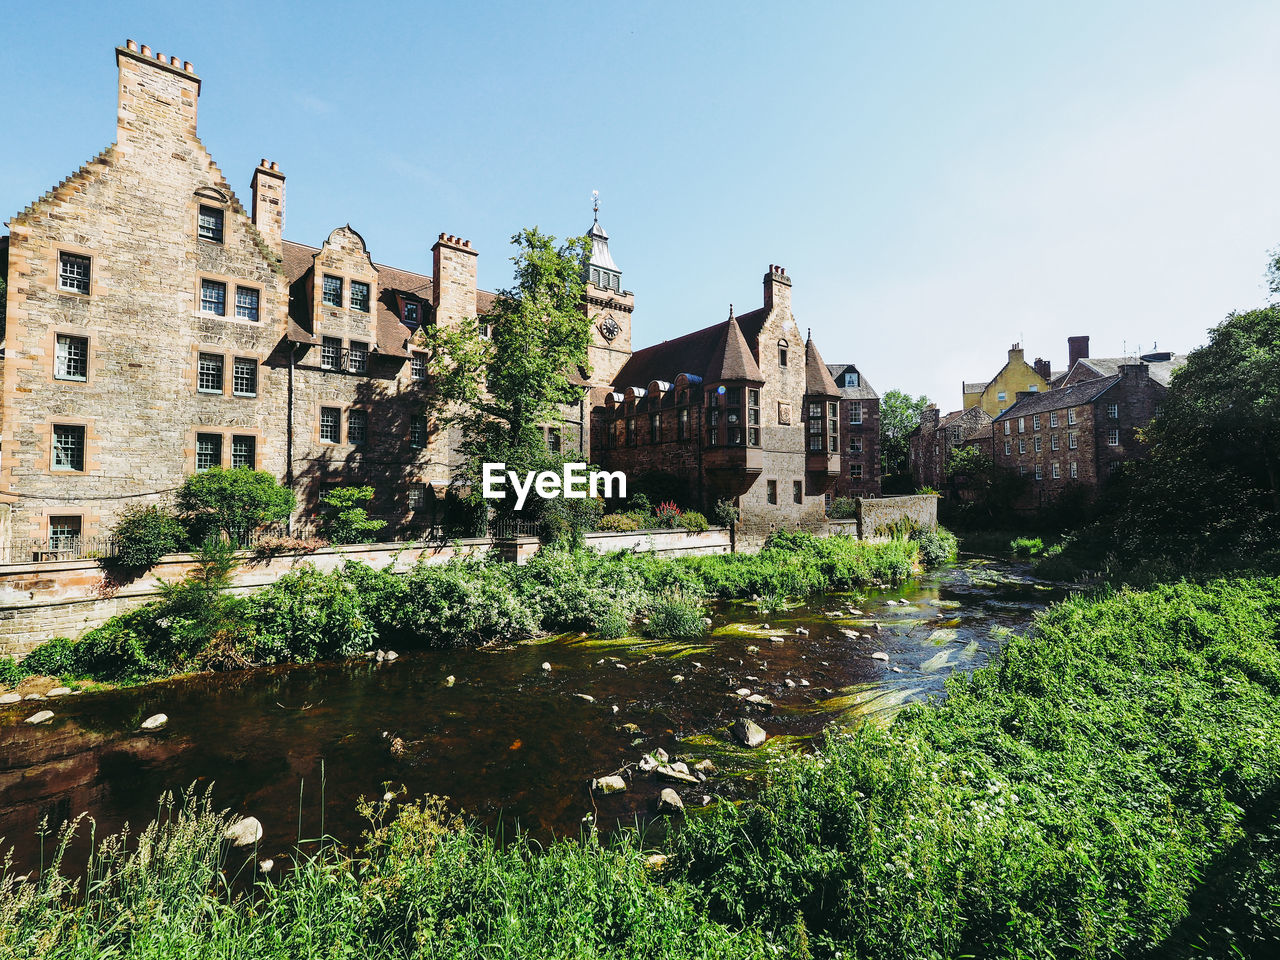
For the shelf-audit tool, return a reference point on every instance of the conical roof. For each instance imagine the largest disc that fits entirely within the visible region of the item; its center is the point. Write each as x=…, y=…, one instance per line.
x=732, y=359
x=600, y=248
x=817, y=377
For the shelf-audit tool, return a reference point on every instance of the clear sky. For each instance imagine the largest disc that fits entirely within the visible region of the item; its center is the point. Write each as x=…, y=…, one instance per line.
x=939, y=179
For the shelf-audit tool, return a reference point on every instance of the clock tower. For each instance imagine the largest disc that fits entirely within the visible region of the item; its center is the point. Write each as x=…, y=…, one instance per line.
x=608, y=305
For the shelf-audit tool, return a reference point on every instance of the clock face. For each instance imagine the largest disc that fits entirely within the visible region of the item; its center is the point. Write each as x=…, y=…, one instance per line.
x=609, y=328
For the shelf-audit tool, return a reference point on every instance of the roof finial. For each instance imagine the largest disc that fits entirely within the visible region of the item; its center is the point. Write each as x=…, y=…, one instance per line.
x=808, y=334
x=595, y=206
x=731, y=311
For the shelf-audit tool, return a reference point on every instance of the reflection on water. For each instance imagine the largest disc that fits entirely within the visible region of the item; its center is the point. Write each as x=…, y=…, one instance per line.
x=507, y=741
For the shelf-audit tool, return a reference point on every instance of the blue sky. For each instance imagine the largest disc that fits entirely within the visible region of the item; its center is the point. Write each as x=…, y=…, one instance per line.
x=939, y=179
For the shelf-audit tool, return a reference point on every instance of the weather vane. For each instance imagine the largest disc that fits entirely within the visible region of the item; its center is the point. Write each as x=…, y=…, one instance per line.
x=595, y=205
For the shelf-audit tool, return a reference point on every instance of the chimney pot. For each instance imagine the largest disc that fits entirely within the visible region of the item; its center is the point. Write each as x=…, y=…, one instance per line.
x=275, y=166
x=131, y=45
x=160, y=57
x=145, y=51
x=442, y=236
x=186, y=65
x=173, y=61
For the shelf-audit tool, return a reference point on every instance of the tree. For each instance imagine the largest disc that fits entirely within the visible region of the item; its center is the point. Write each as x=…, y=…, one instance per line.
x=143, y=535
x=899, y=415
x=346, y=521
x=233, y=502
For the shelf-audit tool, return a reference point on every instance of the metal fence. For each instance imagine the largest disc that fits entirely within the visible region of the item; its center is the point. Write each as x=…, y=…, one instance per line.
x=37, y=549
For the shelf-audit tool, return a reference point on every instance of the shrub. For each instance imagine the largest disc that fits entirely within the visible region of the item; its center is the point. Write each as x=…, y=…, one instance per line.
x=726, y=514
x=345, y=520
x=937, y=545
x=59, y=657
x=308, y=615
x=843, y=508
x=693, y=521
x=676, y=618
x=619, y=523
x=11, y=671
x=457, y=605
x=234, y=502
x=145, y=534
x=667, y=514
x=1026, y=547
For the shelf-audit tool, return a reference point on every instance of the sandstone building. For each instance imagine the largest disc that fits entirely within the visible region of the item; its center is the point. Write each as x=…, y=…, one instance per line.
x=999, y=393
x=931, y=444
x=860, y=445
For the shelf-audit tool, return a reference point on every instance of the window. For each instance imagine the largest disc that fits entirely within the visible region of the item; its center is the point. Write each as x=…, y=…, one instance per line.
x=797, y=491
x=358, y=356
x=1039, y=473
x=68, y=447
x=330, y=353
x=1113, y=411
x=412, y=316
x=1113, y=437
x=1053, y=442
x=1002, y=395
x=753, y=417
x=855, y=413
x=418, y=366
x=855, y=444
x=1159, y=409
x=244, y=377
x=782, y=353
x=1008, y=448
x=631, y=432
x=417, y=496
x=1073, y=470
x=213, y=297
x=771, y=491
x=554, y=440
x=330, y=425
x=1008, y=428
x=357, y=427
x=418, y=431
x=1114, y=466
x=1056, y=472
x=1037, y=444
x=210, y=224
x=655, y=427
x=852, y=379
x=1033, y=387
x=1022, y=469
x=360, y=296
x=1071, y=441
x=332, y=293
x=64, y=533
x=733, y=415
x=1035, y=421
x=208, y=450
x=71, y=358
x=855, y=470
x=1022, y=446
x=209, y=378
x=1022, y=424
x=833, y=427
x=1071, y=417
x=684, y=424
x=244, y=452
x=1053, y=420
x=73, y=273
x=247, y=303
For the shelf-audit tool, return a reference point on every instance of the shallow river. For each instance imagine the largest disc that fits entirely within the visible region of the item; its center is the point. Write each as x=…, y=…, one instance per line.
x=508, y=741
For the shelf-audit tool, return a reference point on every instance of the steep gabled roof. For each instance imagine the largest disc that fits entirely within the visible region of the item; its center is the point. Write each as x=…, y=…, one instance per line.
x=817, y=378
x=1073, y=396
x=864, y=390
x=693, y=353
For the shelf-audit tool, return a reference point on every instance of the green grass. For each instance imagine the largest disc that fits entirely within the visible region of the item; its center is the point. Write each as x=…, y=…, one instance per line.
x=1107, y=788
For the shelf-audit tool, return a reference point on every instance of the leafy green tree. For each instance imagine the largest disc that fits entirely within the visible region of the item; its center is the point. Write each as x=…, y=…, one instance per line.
x=899, y=415
x=233, y=502
x=988, y=490
x=345, y=520
x=143, y=535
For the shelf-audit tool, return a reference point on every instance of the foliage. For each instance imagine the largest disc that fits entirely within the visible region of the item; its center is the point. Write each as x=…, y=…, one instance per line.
x=233, y=502
x=899, y=415
x=345, y=520
x=1069, y=798
x=1026, y=547
x=307, y=615
x=675, y=617
x=667, y=514
x=267, y=547
x=692, y=521
x=143, y=535
x=10, y=671
x=618, y=523
x=937, y=545
x=726, y=514
x=985, y=490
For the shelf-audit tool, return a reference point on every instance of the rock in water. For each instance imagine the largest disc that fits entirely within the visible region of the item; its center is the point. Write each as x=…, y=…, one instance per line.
x=748, y=732
x=546, y=665
x=392, y=655
x=450, y=680
x=669, y=801
x=661, y=755
x=266, y=865
x=705, y=766
x=880, y=655
x=670, y=773
x=34, y=696
x=44, y=716
x=607, y=785
x=243, y=833
x=10, y=697
x=585, y=696
x=648, y=763
x=155, y=722
x=630, y=728
x=60, y=691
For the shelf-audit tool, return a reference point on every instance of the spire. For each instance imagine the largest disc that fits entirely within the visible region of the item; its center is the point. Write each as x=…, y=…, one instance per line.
x=601, y=270
x=595, y=206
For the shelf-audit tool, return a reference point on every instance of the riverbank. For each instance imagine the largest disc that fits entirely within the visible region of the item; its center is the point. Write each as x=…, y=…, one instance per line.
x=1107, y=788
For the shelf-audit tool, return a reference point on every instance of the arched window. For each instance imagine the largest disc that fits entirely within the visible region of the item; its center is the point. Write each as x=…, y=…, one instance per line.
x=782, y=353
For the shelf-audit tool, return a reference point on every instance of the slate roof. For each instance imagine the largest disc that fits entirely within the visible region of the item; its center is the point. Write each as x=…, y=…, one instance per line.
x=731, y=359
x=1076, y=395
x=391, y=330
x=817, y=378
x=862, y=392
x=1159, y=370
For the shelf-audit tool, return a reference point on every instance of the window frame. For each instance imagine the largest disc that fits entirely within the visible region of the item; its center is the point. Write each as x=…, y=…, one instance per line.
x=218, y=235
x=213, y=284
x=58, y=338
x=65, y=542
x=241, y=439
x=357, y=356
x=771, y=492
x=335, y=421
x=236, y=363
x=66, y=258
x=367, y=299
x=221, y=364
x=326, y=344
x=417, y=366
x=357, y=436
x=218, y=447
x=257, y=303
x=340, y=283
x=797, y=492
x=80, y=462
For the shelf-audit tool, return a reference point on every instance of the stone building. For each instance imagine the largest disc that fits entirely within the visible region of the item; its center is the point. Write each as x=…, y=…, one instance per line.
x=1077, y=435
x=743, y=410
x=860, y=445
x=999, y=393
x=1082, y=367
x=931, y=444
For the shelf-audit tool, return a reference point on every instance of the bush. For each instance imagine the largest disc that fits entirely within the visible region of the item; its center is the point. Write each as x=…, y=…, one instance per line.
x=693, y=521
x=843, y=508
x=460, y=604
x=11, y=671
x=145, y=534
x=675, y=618
x=308, y=615
x=612, y=625
x=234, y=502
x=618, y=523
x=59, y=657
x=1026, y=547
x=345, y=520
x=937, y=545
x=726, y=514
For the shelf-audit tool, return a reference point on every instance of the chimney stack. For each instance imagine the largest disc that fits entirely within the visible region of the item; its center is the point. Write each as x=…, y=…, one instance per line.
x=156, y=102
x=1015, y=353
x=1042, y=367
x=1077, y=349
x=777, y=288
x=453, y=289
x=267, y=188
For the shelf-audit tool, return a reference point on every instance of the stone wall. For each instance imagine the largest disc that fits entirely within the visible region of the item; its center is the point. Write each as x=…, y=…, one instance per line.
x=69, y=597
x=877, y=516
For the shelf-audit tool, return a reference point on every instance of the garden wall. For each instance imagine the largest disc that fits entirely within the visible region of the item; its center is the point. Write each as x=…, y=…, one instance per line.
x=878, y=517
x=68, y=597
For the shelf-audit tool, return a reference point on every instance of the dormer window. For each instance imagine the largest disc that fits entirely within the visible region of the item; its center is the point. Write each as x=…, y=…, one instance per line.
x=782, y=353
x=851, y=379
x=360, y=296
x=211, y=222
x=412, y=312
x=332, y=290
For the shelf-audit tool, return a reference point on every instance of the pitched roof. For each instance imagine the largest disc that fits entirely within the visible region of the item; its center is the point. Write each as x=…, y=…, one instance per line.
x=391, y=331
x=817, y=378
x=731, y=359
x=693, y=353
x=1073, y=396
x=864, y=390
x=1159, y=370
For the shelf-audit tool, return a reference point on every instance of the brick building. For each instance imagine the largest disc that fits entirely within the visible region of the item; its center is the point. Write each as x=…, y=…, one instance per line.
x=860, y=445
x=742, y=410
x=1077, y=435
x=1082, y=367
x=930, y=444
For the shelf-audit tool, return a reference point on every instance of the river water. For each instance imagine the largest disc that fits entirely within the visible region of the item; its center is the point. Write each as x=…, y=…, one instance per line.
x=507, y=741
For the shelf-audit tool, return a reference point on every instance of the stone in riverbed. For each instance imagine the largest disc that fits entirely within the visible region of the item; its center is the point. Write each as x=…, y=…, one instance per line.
x=34, y=696
x=880, y=655
x=44, y=716
x=648, y=763
x=391, y=655
x=546, y=666
x=607, y=785
x=748, y=732
x=760, y=700
x=802, y=631
x=450, y=680
x=705, y=766
x=266, y=865
x=669, y=801
x=243, y=833
x=585, y=696
x=155, y=722
x=677, y=679
x=789, y=682
x=630, y=728
x=661, y=755
x=10, y=697
x=743, y=692
x=60, y=691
